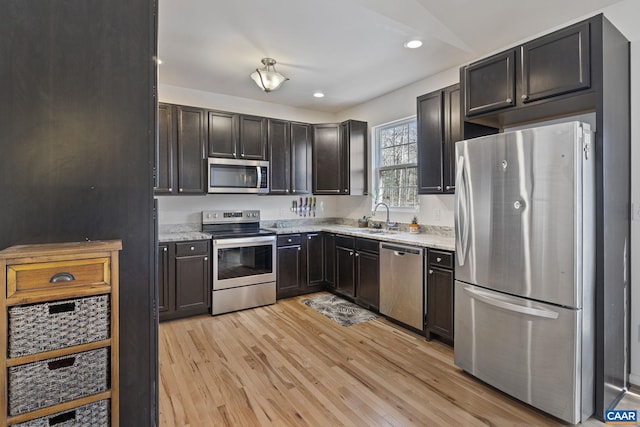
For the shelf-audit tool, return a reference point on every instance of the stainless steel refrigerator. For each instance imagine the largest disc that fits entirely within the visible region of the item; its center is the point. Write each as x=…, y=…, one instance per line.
x=525, y=265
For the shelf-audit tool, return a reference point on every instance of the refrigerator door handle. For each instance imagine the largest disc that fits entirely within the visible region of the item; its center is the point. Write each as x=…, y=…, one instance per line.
x=491, y=300
x=461, y=212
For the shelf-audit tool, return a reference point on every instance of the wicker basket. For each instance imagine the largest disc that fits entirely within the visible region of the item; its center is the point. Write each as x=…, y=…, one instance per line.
x=95, y=414
x=48, y=382
x=51, y=325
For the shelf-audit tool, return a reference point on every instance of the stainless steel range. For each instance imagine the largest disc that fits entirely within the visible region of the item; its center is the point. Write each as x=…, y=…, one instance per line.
x=244, y=260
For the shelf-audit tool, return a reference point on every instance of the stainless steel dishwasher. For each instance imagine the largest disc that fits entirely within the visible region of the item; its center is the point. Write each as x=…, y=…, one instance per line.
x=401, y=283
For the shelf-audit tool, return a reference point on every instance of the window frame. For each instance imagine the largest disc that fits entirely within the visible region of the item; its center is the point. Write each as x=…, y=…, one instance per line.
x=377, y=168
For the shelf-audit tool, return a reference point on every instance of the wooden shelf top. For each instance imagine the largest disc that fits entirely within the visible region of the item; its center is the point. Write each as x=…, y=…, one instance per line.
x=60, y=248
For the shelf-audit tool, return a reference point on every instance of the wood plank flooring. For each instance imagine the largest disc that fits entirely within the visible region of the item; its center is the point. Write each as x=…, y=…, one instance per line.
x=288, y=365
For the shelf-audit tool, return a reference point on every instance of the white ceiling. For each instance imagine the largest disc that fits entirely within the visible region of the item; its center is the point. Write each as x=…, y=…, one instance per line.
x=352, y=50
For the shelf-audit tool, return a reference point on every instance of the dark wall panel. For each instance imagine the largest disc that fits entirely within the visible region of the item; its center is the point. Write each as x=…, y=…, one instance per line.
x=77, y=83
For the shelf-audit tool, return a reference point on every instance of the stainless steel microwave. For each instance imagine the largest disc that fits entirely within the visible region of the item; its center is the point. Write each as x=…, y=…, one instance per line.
x=238, y=176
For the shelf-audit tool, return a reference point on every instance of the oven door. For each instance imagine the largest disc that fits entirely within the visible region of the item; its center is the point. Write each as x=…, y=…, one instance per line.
x=243, y=261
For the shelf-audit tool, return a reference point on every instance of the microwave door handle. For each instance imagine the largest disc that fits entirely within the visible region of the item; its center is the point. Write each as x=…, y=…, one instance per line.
x=259, y=180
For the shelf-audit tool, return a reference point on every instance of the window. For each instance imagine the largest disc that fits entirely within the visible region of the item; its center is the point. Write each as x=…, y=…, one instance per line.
x=397, y=163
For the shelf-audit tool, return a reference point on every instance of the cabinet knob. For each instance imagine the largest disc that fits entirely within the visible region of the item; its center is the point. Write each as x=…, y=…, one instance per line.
x=164, y=249
x=308, y=237
x=289, y=240
x=170, y=189
x=350, y=253
x=525, y=97
x=181, y=190
x=206, y=258
x=286, y=191
x=430, y=271
x=450, y=187
x=241, y=154
x=509, y=100
x=357, y=254
x=192, y=248
x=438, y=259
x=299, y=249
x=346, y=190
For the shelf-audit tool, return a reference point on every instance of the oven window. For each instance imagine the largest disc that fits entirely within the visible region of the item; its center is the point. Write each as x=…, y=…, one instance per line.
x=244, y=261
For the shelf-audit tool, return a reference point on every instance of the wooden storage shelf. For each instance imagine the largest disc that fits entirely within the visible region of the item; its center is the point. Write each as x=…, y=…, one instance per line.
x=56, y=273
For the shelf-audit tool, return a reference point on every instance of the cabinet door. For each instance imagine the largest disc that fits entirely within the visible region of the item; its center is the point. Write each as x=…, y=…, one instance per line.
x=165, y=283
x=330, y=259
x=345, y=271
x=368, y=279
x=165, y=151
x=289, y=274
x=344, y=158
x=556, y=64
x=193, y=289
x=279, y=154
x=253, y=138
x=314, y=251
x=223, y=134
x=300, y=158
x=355, y=149
x=430, y=111
x=191, y=150
x=440, y=303
x=327, y=160
x=489, y=84
x=452, y=134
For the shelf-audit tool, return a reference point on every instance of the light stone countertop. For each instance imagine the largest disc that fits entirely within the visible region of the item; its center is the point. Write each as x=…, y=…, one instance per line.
x=183, y=232
x=420, y=239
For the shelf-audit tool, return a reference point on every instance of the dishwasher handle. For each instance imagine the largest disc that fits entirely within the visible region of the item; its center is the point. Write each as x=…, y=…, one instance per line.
x=401, y=250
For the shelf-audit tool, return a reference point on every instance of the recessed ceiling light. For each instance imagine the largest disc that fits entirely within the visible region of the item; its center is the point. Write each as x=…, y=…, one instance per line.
x=413, y=44
x=318, y=94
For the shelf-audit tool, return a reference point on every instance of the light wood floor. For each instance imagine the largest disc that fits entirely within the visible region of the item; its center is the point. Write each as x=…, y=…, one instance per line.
x=287, y=365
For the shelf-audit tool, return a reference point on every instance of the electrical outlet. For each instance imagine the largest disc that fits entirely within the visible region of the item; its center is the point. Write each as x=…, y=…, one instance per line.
x=436, y=214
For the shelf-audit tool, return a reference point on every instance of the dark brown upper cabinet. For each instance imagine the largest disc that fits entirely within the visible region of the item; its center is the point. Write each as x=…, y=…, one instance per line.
x=223, y=134
x=253, y=138
x=180, y=150
x=550, y=67
x=556, y=64
x=438, y=117
x=279, y=138
x=237, y=136
x=165, y=150
x=300, y=158
x=340, y=158
x=290, y=157
x=490, y=84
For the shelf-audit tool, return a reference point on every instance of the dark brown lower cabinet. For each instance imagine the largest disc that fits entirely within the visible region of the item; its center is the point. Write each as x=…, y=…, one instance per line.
x=357, y=265
x=368, y=273
x=299, y=264
x=329, y=240
x=184, y=278
x=439, y=295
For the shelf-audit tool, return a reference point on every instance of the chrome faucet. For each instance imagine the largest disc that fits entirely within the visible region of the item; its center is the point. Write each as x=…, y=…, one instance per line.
x=389, y=225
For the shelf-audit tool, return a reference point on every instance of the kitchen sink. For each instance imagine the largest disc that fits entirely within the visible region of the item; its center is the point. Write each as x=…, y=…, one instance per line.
x=379, y=231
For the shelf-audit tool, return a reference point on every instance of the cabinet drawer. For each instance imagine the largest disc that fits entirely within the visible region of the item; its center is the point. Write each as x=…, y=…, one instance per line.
x=440, y=259
x=51, y=381
x=36, y=328
x=50, y=276
x=192, y=248
x=289, y=239
x=368, y=245
x=93, y=414
x=345, y=241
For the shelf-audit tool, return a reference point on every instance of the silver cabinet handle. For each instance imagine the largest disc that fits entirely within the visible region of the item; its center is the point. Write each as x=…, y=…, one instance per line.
x=489, y=299
x=434, y=188
x=450, y=187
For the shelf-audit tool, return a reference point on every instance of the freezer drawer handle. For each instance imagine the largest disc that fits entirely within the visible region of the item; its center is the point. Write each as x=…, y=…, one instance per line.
x=488, y=299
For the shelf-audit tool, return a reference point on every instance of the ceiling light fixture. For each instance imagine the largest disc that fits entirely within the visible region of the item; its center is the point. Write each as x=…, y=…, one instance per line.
x=267, y=78
x=318, y=94
x=413, y=44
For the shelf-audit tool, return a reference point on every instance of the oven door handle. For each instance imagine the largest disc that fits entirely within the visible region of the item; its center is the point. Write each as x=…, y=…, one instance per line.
x=244, y=241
